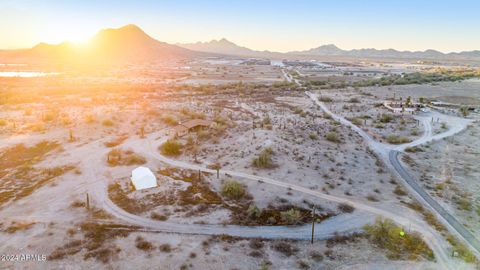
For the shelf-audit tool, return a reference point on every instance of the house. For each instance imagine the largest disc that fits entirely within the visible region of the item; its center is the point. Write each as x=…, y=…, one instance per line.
x=143, y=178
x=178, y=131
x=184, y=128
x=401, y=107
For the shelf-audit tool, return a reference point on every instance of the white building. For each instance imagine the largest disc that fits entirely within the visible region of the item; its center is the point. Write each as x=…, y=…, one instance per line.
x=143, y=178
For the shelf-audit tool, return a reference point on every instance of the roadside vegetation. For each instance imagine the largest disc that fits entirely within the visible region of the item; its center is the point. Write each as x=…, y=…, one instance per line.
x=398, y=244
x=264, y=159
x=439, y=75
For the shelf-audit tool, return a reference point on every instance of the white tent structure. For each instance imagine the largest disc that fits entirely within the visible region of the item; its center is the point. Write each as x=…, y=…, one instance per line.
x=143, y=178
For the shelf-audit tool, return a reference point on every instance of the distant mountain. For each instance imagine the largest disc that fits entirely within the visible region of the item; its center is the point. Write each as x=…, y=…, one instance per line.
x=132, y=44
x=226, y=47
x=332, y=50
x=329, y=49
x=223, y=46
x=127, y=44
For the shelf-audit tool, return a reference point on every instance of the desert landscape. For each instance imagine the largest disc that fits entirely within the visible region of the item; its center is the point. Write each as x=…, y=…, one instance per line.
x=132, y=153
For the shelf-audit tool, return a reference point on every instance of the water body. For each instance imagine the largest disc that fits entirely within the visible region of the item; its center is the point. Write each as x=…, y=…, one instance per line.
x=26, y=74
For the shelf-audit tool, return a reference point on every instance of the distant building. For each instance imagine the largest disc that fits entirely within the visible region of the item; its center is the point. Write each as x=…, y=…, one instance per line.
x=184, y=128
x=402, y=107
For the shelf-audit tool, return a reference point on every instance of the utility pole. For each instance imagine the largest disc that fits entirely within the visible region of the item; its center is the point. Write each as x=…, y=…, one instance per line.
x=88, y=202
x=313, y=224
x=199, y=175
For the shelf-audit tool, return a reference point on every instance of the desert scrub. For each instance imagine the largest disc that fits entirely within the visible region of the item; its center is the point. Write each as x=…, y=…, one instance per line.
x=285, y=248
x=143, y=244
x=346, y=208
x=385, y=118
x=333, y=137
x=413, y=149
x=233, y=190
x=386, y=235
x=107, y=123
x=171, y=148
x=90, y=118
x=463, y=251
x=357, y=121
x=169, y=120
x=264, y=159
x=117, y=157
x=399, y=191
x=395, y=139
x=115, y=142
x=354, y=100
x=325, y=99
x=291, y=217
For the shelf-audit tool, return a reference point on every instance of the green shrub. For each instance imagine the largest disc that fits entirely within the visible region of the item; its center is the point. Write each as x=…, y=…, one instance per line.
x=333, y=137
x=264, y=159
x=233, y=190
x=171, y=148
x=462, y=250
x=291, y=217
x=395, y=139
x=385, y=234
x=357, y=121
x=253, y=211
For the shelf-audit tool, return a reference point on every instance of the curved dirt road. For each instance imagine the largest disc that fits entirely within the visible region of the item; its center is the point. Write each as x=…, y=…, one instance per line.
x=390, y=153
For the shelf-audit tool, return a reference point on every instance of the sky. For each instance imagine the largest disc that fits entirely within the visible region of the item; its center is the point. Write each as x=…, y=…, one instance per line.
x=275, y=25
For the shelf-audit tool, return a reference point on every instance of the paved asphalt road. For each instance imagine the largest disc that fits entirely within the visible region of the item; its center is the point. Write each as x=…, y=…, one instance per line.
x=393, y=156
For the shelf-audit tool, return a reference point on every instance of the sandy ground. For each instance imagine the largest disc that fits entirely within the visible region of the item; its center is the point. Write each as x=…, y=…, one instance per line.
x=317, y=170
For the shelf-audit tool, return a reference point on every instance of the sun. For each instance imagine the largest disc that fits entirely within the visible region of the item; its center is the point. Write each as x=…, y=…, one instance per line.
x=74, y=34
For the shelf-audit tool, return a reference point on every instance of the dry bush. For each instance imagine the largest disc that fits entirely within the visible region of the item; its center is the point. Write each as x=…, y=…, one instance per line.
x=285, y=248
x=117, y=141
x=333, y=137
x=395, y=139
x=264, y=159
x=346, y=208
x=171, y=148
x=142, y=244
x=165, y=248
x=233, y=190
x=118, y=157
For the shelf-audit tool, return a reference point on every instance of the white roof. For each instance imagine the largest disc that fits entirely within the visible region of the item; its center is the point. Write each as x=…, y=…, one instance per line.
x=143, y=178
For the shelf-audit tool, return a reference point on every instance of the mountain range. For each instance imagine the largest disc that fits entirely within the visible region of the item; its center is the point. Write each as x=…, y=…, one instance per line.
x=127, y=44
x=130, y=44
x=223, y=46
